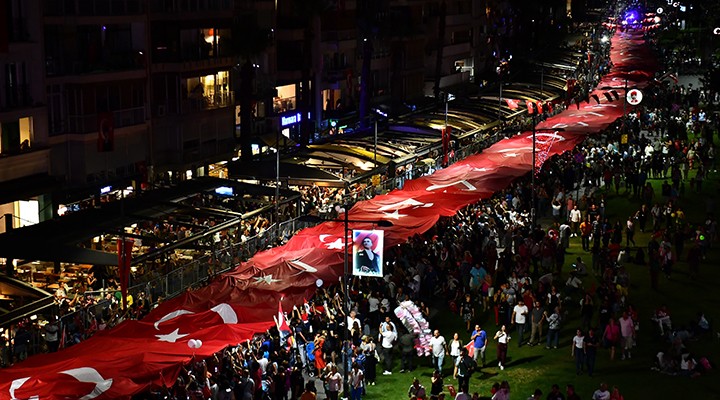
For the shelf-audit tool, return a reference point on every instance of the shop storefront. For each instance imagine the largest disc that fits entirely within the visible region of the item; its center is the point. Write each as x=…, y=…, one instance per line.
x=289, y=123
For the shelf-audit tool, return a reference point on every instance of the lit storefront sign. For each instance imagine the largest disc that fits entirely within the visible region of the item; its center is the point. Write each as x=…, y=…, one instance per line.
x=291, y=119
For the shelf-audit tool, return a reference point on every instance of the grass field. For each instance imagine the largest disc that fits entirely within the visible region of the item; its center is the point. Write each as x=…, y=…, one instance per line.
x=535, y=367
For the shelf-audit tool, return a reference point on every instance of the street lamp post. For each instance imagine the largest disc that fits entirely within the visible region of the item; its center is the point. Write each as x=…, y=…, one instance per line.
x=375, y=146
x=625, y=88
x=533, y=187
x=378, y=113
x=532, y=174
x=277, y=182
x=346, y=281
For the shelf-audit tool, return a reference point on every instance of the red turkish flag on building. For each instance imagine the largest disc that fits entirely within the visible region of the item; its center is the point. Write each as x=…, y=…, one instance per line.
x=106, y=132
x=530, y=106
x=512, y=104
x=446, y=132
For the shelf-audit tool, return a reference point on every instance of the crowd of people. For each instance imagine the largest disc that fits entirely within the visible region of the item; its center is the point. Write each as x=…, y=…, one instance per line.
x=491, y=260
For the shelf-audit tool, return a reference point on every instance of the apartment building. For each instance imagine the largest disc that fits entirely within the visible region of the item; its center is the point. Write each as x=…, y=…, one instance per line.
x=113, y=94
x=25, y=166
x=110, y=94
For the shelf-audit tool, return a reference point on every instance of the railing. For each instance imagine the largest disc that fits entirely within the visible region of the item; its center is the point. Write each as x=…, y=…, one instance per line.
x=54, y=8
x=211, y=102
x=178, y=6
x=121, y=118
x=18, y=96
x=186, y=276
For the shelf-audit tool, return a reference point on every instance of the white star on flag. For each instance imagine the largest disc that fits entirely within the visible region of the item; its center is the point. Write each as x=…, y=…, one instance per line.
x=336, y=245
x=394, y=215
x=171, y=337
x=407, y=203
x=267, y=279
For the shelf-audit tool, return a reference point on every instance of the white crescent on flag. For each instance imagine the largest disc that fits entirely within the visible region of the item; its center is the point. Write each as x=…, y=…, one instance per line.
x=226, y=312
x=90, y=375
x=171, y=315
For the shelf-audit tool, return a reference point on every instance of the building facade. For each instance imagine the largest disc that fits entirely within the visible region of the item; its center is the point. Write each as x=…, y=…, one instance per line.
x=118, y=95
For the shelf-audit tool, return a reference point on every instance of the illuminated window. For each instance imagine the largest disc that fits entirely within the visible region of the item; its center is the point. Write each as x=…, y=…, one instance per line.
x=285, y=100
x=210, y=90
x=16, y=136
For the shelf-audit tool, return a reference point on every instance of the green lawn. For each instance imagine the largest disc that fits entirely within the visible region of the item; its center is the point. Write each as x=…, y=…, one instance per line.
x=535, y=367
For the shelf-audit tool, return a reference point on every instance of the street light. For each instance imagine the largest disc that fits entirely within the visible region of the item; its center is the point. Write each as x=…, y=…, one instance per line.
x=625, y=88
x=378, y=112
x=502, y=69
x=533, y=213
x=346, y=292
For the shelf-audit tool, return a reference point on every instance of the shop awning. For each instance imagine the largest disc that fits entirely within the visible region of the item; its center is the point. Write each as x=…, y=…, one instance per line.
x=294, y=174
x=27, y=187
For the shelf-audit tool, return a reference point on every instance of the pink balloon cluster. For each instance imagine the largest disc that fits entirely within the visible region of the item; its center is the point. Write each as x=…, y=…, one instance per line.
x=413, y=320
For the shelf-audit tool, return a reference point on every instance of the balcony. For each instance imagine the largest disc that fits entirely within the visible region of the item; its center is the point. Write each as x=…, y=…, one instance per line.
x=458, y=19
x=117, y=62
x=205, y=103
x=92, y=8
x=169, y=7
x=20, y=164
x=194, y=65
x=18, y=97
x=195, y=103
x=460, y=49
x=333, y=74
x=121, y=118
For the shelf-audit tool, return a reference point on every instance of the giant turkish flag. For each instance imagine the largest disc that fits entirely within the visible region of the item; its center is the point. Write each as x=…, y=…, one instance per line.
x=136, y=355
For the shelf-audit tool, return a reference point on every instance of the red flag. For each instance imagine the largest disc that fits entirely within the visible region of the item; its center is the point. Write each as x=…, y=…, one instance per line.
x=512, y=104
x=446, y=132
x=106, y=132
x=61, y=345
x=549, y=107
x=539, y=107
x=281, y=321
x=470, y=348
x=530, y=106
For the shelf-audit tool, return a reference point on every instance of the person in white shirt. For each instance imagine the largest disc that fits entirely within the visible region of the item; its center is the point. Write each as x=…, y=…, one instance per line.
x=357, y=381
x=387, y=322
x=575, y=219
x=334, y=381
x=388, y=336
x=602, y=393
x=462, y=396
x=520, y=311
x=577, y=350
x=439, y=350
x=455, y=346
x=503, y=339
x=351, y=319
